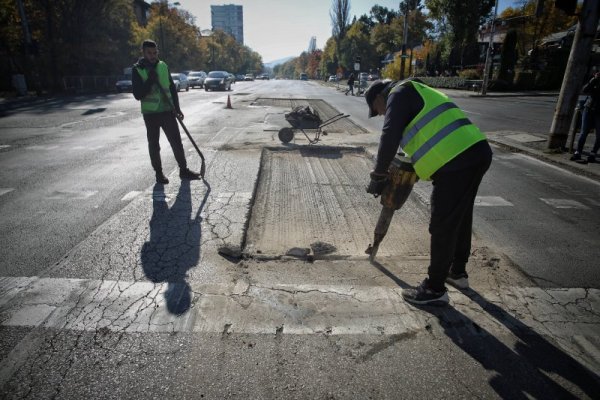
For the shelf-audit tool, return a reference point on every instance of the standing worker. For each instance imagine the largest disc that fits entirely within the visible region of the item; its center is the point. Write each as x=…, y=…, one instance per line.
x=350, y=85
x=590, y=116
x=158, y=112
x=448, y=149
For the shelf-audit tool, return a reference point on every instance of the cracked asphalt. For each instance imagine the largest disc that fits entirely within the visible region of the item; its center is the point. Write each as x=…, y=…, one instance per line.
x=148, y=305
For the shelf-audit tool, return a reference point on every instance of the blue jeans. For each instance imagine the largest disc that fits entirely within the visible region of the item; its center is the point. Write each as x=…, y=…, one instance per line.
x=589, y=119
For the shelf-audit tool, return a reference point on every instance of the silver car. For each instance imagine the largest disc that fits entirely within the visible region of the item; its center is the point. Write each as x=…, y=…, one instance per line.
x=181, y=82
x=196, y=79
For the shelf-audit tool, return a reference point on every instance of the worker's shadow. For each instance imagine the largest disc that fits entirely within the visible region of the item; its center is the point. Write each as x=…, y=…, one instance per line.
x=174, y=245
x=522, y=370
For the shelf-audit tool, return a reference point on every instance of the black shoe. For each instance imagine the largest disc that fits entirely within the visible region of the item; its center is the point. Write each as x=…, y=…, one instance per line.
x=459, y=281
x=187, y=174
x=423, y=295
x=161, y=178
x=591, y=158
x=575, y=157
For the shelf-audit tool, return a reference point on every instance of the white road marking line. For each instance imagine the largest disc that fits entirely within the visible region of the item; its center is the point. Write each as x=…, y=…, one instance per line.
x=565, y=203
x=593, y=202
x=71, y=194
x=41, y=147
x=131, y=195
x=492, y=201
x=4, y=146
x=5, y=190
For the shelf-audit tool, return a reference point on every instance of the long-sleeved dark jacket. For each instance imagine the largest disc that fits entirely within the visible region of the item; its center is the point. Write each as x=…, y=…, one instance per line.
x=141, y=88
x=593, y=89
x=403, y=105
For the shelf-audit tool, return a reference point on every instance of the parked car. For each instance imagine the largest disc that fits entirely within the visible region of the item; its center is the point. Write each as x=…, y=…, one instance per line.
x=333, y=78
x=196, y=79
x=373, y=77
x=363, y=76
x=124, y=84
x=239, y=77
x=264, y=77
x=181, y=81
x=248, y=77
x=303, y=77
x=217, y=80
x=232, y=76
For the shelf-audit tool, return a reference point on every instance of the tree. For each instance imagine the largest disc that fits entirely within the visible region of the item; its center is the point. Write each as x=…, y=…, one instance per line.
x=463, y=19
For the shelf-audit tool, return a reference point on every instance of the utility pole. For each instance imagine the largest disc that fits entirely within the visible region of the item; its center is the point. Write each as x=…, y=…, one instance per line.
x=574, y=74
x=403, y=55
x=488, y=56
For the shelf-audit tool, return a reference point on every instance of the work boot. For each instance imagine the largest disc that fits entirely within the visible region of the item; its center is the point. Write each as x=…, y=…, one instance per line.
x=424, y=295
x=575, y=157
x=161, y=178
x=189, y=175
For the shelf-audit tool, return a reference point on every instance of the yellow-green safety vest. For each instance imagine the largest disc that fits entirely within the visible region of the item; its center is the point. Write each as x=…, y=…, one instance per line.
x=154, y=101
x=439, y=133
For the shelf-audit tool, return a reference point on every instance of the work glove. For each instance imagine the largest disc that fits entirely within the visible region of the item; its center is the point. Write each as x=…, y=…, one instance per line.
x=378, y=182
x=179, y=114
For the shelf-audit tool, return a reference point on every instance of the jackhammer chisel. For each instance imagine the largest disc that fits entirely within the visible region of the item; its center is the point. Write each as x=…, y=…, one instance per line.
x=402, y=178
x=203, y=167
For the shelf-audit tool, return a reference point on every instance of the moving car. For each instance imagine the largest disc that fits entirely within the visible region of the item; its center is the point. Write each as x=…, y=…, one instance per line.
x=196, y=78
x=333, y=78
x=181, y=82
x=264, y=77
x=303, y=77
x=217, y=80
x=373, y=77
x=248, y=77
x=363, y=76
x=124, y=84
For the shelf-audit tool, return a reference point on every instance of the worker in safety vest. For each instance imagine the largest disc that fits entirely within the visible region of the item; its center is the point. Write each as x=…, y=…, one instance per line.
x=158, y=110
x=446, y=148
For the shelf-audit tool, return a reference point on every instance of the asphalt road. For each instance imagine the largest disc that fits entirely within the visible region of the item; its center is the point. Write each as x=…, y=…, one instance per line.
x=68, y=163
x=106, y=292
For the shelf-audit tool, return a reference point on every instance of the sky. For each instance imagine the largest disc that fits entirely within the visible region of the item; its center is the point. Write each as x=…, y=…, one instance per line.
x=277, y=29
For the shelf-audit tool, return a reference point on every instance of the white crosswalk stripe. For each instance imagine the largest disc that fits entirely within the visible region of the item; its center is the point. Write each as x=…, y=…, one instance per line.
x=565, y=203
x=5, y=190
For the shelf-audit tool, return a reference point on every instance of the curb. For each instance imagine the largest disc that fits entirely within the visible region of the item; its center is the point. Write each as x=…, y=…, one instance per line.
x=551, y=158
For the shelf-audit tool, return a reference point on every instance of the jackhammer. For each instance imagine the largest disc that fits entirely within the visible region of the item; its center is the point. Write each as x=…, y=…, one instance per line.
x=402, y=178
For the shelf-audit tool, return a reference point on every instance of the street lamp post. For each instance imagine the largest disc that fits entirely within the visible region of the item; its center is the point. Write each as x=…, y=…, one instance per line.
x=488, y=56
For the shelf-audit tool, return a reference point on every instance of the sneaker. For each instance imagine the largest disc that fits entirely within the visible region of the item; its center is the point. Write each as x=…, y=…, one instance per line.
x=423, y=295
x=161, y=178
x=187, y=174
x=575, y=157
x=459, y=281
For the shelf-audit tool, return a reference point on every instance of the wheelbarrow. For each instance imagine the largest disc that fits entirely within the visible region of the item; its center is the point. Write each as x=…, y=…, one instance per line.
x=303, y=122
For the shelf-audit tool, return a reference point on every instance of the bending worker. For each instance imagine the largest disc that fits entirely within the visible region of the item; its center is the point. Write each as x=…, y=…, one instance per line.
x=158, y=112
x=445, y=148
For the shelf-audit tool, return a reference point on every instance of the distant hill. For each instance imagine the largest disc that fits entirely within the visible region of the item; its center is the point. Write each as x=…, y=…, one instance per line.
x=277, y=62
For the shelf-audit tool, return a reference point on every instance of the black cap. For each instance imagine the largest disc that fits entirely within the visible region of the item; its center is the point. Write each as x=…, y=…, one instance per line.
x=376, y=87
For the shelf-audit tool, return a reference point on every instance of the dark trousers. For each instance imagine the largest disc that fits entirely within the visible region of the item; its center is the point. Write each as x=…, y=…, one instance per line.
x=166, y=121
x=451, y=222
x=589, y=119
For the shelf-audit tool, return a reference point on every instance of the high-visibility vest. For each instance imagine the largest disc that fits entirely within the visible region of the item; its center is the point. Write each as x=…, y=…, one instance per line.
x=154, y=101
x=439, y=133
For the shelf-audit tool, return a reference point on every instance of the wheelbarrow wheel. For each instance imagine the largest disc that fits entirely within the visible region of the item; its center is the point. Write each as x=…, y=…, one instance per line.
x=286, y=135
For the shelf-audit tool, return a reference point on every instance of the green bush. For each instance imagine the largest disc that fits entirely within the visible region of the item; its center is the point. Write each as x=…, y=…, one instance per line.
x=469, y=74
x=446, y=82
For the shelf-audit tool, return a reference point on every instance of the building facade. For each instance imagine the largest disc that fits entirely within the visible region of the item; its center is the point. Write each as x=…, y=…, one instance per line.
x=230, y=19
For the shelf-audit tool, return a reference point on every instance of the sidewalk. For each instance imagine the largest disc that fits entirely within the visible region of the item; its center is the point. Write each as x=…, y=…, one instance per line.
x=534, y=144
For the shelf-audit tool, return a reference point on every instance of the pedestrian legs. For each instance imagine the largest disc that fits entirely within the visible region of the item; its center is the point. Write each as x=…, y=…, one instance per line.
x=153, y=134
x=174, y=136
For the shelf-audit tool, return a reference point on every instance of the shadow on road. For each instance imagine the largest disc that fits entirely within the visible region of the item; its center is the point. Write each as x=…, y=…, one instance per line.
x=174, y=245
x=531, y=368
